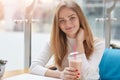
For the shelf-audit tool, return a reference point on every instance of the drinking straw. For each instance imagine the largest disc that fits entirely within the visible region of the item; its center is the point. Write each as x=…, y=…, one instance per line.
x=74, y=48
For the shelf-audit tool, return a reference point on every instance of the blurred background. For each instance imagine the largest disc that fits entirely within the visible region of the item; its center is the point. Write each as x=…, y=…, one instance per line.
x=26, y=24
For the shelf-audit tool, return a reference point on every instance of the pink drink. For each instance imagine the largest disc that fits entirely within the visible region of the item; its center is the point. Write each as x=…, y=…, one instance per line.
x=75, y=61
x=76, y=64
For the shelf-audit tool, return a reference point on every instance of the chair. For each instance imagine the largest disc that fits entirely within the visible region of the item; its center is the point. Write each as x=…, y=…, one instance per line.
x=109, y=67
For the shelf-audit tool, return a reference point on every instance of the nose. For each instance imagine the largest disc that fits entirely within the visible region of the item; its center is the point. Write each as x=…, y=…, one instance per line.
x=68, y=23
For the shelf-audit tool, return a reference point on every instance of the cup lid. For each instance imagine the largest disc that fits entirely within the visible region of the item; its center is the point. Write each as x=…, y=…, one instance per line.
x=73, y=53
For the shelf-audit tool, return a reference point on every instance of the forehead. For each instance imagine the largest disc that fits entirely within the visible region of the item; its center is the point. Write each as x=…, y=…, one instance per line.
x=65, y=12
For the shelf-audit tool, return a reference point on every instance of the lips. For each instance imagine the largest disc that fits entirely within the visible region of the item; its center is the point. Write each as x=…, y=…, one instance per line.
x=70, y=28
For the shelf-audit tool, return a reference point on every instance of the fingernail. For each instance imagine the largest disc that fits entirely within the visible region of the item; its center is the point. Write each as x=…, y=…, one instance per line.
x=76, y=70
x=77, y=76
x=78, y=73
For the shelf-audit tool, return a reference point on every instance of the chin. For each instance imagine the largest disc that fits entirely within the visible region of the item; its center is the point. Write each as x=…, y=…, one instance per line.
x=72, y=35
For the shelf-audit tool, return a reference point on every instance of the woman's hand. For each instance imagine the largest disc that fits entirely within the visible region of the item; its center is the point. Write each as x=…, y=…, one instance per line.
x=69, y=73
x=80, y=36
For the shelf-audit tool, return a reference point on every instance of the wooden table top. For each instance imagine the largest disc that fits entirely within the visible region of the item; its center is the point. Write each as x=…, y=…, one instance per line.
x=15, y=72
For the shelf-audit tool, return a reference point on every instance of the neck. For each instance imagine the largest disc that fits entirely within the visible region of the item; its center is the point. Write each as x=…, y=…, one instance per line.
x=71, y=36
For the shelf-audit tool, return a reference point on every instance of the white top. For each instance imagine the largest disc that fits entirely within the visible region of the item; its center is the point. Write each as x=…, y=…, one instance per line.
x=90, y=68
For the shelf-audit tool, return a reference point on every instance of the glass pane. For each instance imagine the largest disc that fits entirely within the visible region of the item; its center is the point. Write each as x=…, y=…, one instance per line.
x=112, y=13
x=42, y=16
x=94, y=11
x=11, y=33
x=115, y=38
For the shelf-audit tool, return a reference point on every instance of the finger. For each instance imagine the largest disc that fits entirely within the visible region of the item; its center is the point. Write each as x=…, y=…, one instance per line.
x=69, y=72
x=70, y=77
x=71, y=69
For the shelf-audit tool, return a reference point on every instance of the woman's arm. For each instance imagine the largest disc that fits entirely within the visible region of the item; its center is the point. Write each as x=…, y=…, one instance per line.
x=38, y=64
x=68, y=73
x=38, y=67
x=53, y=73
x=90, y=68
x=80, y=37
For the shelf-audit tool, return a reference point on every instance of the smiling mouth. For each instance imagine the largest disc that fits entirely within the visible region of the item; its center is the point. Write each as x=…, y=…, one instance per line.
x=68, y=29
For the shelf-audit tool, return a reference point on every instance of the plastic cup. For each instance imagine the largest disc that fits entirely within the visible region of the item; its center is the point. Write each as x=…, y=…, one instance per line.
x=75, y=61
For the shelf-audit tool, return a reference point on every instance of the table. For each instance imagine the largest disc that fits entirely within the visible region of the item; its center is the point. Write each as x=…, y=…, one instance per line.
x=24, y=75
x=15, y=72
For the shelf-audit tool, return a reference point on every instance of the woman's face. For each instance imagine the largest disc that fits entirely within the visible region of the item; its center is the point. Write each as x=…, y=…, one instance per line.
x=68, y=22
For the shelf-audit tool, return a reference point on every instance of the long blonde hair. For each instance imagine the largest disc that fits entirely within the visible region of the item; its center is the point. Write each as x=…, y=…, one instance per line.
x=58, y=38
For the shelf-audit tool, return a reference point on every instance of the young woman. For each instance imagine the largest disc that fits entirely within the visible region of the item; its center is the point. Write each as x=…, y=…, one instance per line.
x=70, y=28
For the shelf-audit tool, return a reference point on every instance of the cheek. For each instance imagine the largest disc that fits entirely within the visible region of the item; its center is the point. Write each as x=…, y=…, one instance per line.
x=77, y=25
x=76, y=22
x=77, y=29
x=62, y=28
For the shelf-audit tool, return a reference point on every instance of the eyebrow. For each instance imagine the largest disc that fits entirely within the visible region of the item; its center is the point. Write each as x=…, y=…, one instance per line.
x=68, y=16
x=71, y=15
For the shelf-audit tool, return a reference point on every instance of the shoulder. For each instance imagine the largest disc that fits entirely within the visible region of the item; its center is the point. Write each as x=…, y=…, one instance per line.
x=99, y=47
x=47, y=44
x=99, y=42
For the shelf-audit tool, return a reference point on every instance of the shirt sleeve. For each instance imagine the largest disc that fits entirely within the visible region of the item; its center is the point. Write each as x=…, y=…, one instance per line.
x=38, y=64
x=90, y=67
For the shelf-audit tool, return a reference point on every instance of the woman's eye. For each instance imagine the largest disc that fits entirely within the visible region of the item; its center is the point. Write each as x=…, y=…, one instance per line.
x=72, y=18
x=62, y=21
